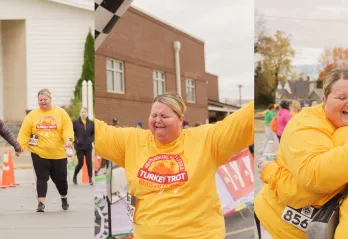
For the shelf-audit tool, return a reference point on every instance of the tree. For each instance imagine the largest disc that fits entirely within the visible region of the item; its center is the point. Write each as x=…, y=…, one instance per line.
x=331, y=59
x=87, y=74
x=325, y=71
x=260, y=29
x=261, y=86
x=319, y=84
x=74, y=109
x=276, y=52
x=88, y=66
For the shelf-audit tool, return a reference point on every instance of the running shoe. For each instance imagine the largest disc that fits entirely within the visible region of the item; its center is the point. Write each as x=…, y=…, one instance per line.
x=74, y=180
x=40, y=207
x=65, y=204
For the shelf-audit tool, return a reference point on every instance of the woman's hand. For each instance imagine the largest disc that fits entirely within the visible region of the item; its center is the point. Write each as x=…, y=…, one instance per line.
x=262, y=163
x=68, y=144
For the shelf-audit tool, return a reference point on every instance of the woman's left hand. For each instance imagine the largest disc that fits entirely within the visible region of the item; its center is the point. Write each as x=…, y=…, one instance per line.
x=68, y=144
x=261, y=165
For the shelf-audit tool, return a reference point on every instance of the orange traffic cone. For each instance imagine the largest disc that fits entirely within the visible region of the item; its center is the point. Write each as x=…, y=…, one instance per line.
x=10, y=162
x=85, y=177
x=6, y=175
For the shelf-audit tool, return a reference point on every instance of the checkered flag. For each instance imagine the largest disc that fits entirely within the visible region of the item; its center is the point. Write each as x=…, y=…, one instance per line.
x=106, y=14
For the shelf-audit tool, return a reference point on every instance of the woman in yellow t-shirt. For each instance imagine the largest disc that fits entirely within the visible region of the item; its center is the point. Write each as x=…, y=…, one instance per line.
x=288, y=191
x=46, y=131
x=309, y=169
x=171, y=170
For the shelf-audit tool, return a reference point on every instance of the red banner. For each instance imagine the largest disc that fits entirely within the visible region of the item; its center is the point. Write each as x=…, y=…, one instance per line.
x=238, y=174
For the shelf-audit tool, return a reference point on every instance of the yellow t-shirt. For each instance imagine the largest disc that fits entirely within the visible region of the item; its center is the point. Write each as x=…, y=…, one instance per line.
x=340, y=137
x=175, y=183
x=52, y=127
x=309, y=170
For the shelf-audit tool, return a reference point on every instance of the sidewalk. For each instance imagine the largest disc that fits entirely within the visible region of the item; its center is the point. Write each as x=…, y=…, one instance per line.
x=259, y=126
x=19, y=219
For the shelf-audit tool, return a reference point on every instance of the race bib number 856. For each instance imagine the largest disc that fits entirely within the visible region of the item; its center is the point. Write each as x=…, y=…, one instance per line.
x=299, y=218
x=33, y=140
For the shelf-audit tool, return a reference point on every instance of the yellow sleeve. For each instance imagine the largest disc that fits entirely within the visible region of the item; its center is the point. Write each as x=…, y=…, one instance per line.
x=110, y=142
x=68, y=131
x=313, y=160
x=268, y=171
x=286, y=188
x=287, y=191
x=24, y=133
x=340, y=136
x=233, y=134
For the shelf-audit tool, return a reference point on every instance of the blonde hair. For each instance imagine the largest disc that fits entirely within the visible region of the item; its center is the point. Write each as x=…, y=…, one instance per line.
x=172, y=100
x=45, y=92
x=295, y=105
x=84, y=108
x=332, y=77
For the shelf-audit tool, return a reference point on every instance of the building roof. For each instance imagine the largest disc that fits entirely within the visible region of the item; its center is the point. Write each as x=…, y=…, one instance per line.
x=318, y=92
x=84, y=4
x=163, y=22
x=299, y=89
x=218, y=103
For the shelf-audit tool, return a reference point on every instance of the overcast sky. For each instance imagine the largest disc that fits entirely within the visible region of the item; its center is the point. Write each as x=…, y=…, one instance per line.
x=313, y=24
x=226, y=27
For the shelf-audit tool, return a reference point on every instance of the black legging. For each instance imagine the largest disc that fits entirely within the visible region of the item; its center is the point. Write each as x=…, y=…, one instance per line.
x=258, y=225
x=279, y=137
x=46, y=168
x=80, y=156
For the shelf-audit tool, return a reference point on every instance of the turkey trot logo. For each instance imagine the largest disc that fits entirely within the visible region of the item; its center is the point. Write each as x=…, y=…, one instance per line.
x=163, y=171
x=47, y=122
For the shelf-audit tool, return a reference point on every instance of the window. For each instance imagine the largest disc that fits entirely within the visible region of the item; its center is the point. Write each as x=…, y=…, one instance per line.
x=114, y=76
x=159, y=83
x=190, y=91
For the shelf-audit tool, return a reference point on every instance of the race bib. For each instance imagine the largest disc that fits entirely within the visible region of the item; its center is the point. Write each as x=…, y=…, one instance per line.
x=131, y=201
x=299, y=218
x=33, y=141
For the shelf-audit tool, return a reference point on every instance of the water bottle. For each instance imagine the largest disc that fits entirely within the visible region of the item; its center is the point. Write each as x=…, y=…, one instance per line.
x=270, y=151
x=69, y=152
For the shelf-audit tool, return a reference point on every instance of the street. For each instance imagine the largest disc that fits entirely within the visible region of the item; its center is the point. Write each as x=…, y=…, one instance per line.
x=19, y=205
x=238, y=227
x=258, y=138
x=19, y=219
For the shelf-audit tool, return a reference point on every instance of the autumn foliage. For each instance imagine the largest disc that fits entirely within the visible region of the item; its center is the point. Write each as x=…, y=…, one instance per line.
x=331, y=59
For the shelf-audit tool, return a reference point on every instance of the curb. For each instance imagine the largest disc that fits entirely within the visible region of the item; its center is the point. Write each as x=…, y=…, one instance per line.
x=259, y=130
x=21, y=167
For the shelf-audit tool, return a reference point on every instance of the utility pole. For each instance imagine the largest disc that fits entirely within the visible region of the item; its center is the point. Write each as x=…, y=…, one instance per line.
x=240, y=95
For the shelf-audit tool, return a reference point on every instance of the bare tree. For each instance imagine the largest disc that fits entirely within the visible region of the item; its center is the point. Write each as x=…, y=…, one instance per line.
x=260, y=28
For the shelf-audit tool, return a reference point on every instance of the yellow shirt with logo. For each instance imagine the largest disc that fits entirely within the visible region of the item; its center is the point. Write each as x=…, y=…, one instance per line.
x=175, y=183
x=309, y=170
x=52, y=127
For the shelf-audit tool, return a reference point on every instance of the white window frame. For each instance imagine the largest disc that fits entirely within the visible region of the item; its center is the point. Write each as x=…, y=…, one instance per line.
x=158, y=80
x=114, y=70
x=190, y=85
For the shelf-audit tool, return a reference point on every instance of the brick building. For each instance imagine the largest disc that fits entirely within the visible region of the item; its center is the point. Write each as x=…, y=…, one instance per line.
x=137, y=61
